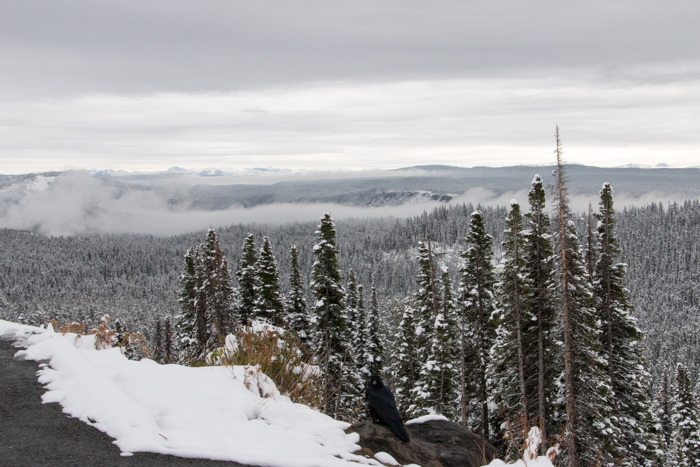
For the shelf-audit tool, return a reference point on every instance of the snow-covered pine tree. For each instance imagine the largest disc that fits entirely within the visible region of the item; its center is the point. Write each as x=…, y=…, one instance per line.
x=426, y=299
x=217, y=290
x=189, y=328
x=246, y=275
x=375, y=341
x=268, y=301
x=541, y=285
x=355, y=327
x=406, y=364
x=342, y=384
x=512, y=364
x=586, y=387
x=622, y=347
x=437, y=386
x=478, y=331
x=297, y=315
x=685, y=444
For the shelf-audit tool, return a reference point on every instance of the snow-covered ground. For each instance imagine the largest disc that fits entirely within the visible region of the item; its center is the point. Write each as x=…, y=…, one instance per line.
x=223, y=413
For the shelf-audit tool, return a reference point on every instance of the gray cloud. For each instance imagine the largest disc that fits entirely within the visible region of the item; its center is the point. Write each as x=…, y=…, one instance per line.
x=80, y=46
x=76, y=203
x=362, y=84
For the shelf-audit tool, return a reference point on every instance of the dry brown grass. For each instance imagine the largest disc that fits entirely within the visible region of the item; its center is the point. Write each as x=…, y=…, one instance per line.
x=281, y=359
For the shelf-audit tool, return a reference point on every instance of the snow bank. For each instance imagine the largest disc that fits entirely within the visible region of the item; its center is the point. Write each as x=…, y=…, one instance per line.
x=208, y=412
x=426, y=418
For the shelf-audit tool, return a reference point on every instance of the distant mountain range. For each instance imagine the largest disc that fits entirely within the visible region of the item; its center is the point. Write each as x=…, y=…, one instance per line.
x=216, y=190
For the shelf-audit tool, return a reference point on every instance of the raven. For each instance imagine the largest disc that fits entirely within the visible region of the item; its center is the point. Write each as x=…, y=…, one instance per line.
x=382, y=407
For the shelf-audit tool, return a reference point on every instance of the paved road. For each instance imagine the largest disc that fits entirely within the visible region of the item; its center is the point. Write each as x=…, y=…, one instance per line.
x=36, y=434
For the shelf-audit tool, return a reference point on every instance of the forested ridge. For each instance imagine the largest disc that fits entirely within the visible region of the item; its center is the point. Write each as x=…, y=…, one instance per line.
x=135, y=277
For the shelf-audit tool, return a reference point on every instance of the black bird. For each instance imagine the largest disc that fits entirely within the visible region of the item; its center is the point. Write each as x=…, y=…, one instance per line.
x=382, y=407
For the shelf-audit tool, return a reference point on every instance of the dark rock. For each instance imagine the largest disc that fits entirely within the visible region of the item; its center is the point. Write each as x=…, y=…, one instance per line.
x=435, y=443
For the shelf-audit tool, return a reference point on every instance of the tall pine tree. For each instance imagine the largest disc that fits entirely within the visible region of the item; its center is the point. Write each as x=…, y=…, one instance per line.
x=622, y=346
x=341, y=381
x=247, y=277
x=512, y=365
x=407, y=364
x=541, y=285
x=586, y=388
x=426, y=299
x=478, y=331
x=437, y=387
x=217, y=290
x=268, y=301
x=297, y=315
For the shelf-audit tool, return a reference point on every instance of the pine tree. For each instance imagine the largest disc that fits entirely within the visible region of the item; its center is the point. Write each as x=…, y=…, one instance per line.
x=407, y=362
x=375, y=344
x=512, y=375
x=426, y=299
x=247, y=276
x=437, y=386
x=188, y=327
x=217, y=290
x=268, y=301
x=586, y=387
x=478, y=331
x=297, y=315
x=341, y=382
x=622, y=346
x=685, y=444
x=541, y=285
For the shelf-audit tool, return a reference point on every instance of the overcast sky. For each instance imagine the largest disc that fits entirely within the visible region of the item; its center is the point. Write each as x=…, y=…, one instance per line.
x=147, y=85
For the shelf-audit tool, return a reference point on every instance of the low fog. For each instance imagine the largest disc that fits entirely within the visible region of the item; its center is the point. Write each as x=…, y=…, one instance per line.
x=75, y=203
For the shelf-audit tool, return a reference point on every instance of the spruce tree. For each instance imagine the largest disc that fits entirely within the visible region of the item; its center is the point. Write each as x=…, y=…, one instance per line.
x=341, y=382
x=586, y=389
x=622, y=347
x=297, y=315
x=375, y=344
x=268, y=301
x=407, y=364
x=512, y=375
x=426, y=299
x=541, y=285
x=437, y=386
x=478, y=331
x=685, y=443
x=246, y=275
x=187, y=326
x=218, y=290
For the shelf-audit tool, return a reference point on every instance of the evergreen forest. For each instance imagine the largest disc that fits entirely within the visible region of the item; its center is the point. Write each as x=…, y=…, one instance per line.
x=584, y=325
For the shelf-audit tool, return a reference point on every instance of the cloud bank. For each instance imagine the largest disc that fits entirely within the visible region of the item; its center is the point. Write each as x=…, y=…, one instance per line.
x=77, y=203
